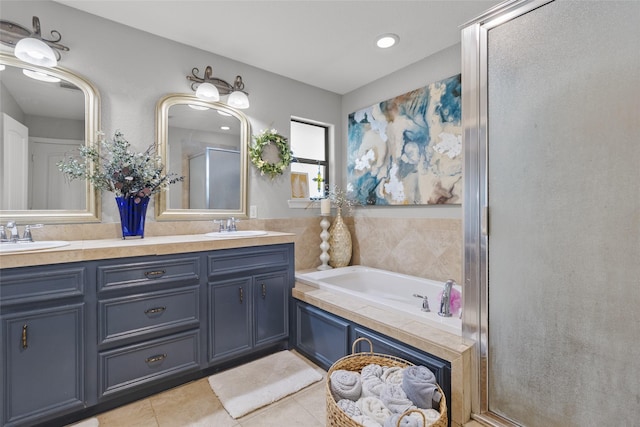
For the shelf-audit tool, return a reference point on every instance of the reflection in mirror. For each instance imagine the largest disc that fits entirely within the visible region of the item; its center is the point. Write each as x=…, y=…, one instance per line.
x=42, y=121
x=206, y=143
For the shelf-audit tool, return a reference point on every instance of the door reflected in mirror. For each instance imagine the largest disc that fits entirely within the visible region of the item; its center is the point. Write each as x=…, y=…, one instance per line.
x=47, y=116
x=206, y=143
x=42, y=120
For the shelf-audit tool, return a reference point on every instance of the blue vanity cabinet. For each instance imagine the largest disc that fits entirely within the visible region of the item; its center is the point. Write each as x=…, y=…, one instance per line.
x=148, y=321
x=229, y=311
x=80, y=338
x=249, y=291
x=42, y=335
x=271, y=294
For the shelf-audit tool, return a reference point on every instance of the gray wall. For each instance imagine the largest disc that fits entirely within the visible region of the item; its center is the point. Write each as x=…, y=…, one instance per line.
x=133, y=70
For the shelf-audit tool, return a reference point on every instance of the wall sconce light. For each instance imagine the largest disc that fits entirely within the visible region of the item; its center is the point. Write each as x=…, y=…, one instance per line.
x=29, y=46
x=210, y=88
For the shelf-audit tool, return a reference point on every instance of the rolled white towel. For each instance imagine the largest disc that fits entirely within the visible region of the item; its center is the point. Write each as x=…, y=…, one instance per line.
x=366, y=421
x=419, y=383
x=373, y=408
x=392, y=375
x=395, y=399
x=345, y=385
x=371, y=370
x=371, y=381
x=349, y=407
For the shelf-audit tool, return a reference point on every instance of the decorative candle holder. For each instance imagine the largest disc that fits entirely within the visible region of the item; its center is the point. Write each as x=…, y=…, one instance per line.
x=324, y=246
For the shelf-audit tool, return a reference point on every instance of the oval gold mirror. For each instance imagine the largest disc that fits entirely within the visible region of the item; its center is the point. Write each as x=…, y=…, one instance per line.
x=206, y=142
x=41, y=122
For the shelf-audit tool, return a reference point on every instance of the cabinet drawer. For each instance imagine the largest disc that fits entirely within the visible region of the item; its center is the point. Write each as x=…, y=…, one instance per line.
x=223, y=262
x=41, y=284
x=130, y=367
x=127, y=275
x=139, y=315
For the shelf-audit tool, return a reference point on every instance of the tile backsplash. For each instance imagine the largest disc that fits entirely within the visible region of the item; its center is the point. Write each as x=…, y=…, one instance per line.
x=423, y=247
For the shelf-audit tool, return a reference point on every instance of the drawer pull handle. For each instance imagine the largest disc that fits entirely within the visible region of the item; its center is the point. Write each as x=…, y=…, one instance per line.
x=241, y=295
x=155, y=274
x=155, y=310
x=24, y=336
x=156, y=358
x=264, y=291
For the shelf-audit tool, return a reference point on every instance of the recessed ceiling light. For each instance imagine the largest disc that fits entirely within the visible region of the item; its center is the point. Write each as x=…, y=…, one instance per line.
x=385, y=41
x=225, y=127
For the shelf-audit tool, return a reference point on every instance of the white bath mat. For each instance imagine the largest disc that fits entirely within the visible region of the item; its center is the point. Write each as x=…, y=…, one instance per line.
x=90, y=422
x=261, y=382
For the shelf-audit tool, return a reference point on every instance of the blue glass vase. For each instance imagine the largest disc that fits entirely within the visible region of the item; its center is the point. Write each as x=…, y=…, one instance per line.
x=132, y=215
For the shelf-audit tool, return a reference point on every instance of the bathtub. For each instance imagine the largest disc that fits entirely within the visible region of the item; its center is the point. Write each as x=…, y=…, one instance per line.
x=385, y=289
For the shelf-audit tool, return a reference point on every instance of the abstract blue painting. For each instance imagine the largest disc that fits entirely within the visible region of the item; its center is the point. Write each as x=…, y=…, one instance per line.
x=408, y=150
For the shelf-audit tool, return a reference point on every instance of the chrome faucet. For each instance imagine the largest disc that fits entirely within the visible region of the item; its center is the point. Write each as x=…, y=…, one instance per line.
x=14, y=235
x=12, y=228
x=425, y=302
x=445, y=301
x=227, y=225
x=222, y=225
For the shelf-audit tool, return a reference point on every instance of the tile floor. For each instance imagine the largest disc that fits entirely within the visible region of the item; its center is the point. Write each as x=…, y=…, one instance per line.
x=195, y=405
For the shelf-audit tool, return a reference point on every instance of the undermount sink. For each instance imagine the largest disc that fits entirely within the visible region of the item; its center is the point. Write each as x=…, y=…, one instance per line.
x=236, y=234
x=31, y=246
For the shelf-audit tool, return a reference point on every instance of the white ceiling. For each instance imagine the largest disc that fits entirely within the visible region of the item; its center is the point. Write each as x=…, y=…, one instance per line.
x=324, y=43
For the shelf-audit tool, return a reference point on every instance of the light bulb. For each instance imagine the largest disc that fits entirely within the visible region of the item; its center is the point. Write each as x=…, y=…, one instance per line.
x=208, y=92
x=198, y=107
x=40, y=76
x=35, y=52
x=387, y=40
x=238, y=99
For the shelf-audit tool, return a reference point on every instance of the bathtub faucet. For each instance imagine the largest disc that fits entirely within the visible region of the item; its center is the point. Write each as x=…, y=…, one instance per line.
x=445, y=301
x=425, y=302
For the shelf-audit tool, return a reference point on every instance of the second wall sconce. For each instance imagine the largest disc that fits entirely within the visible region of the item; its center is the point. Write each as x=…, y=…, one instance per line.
x=30, y=46
x=210, y=88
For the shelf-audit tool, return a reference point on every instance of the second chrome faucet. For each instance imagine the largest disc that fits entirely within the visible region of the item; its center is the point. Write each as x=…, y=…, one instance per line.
x=227, y=224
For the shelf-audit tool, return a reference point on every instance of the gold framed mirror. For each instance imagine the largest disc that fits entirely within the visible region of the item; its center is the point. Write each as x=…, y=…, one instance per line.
x=40, y=123
x=206, y=142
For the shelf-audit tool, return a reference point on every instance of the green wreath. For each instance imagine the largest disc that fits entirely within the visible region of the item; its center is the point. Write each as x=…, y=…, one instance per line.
x=263, y=139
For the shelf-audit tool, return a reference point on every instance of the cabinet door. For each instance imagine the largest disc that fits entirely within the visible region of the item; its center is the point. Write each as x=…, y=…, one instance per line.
x=229, y=318
x=321, y=336
x=43, y=366
x=270, y=296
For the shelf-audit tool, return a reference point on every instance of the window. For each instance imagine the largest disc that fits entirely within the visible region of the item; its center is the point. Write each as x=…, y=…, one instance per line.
x=310, y=146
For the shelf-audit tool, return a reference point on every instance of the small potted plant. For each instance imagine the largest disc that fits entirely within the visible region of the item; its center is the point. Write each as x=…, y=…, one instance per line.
x=111, y=165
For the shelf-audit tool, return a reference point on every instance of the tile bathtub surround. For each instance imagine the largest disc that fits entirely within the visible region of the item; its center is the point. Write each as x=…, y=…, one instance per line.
x=423, y=247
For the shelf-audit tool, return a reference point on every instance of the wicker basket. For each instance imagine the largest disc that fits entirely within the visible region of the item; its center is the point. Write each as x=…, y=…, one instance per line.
x=336, y=417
